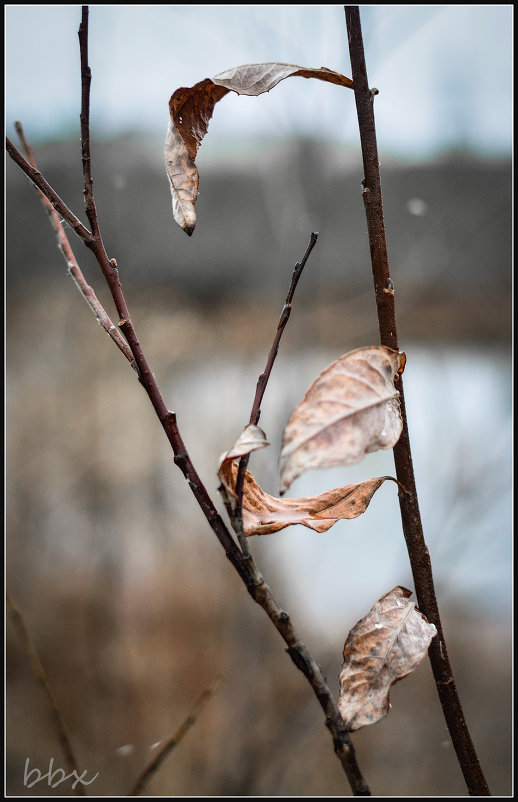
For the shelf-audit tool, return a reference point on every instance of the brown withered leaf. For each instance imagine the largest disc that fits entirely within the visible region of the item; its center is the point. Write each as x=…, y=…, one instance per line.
x=191, y=109
x=264, y=514
x=383, y=648
x=351, y=409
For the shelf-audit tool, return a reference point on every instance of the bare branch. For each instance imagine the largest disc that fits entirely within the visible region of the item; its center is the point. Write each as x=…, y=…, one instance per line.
x=75, y=271
x=86, y=79
x=409, y=506
x=261, y=386
x=285, y=314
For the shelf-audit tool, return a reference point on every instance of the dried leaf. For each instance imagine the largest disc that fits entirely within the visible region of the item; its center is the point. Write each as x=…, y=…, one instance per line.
x=191, y=109
x=254, y=79
x=190, y=112
x=383, y=648
x=264, y=514
x=349, y=411
x=251, y=439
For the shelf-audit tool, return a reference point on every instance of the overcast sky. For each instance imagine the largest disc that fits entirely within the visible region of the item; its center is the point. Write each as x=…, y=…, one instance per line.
x=444, y=72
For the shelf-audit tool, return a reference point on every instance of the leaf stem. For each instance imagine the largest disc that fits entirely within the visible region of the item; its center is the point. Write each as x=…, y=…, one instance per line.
x=410, y=515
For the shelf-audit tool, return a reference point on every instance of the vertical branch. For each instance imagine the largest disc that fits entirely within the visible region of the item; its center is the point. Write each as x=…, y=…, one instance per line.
x=410, y=515
x=86, y=80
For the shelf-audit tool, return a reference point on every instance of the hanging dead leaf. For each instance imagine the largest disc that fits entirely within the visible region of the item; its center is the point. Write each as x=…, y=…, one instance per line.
x=191, y=109
x=349, y=411
x=383, y=648
x=264, y=514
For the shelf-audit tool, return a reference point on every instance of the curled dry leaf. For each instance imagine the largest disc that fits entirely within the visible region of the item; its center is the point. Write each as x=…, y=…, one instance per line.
x=191, y=109
x=349, y=411
x=254, y=79
x=264, y=514
x=251, y=439
x=383, y=648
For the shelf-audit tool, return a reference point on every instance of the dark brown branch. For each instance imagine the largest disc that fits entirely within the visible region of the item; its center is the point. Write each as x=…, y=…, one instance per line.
x=285, y=314
x=410, y=515
x=41, y=677
x=86, y=80
x=261, y=386
x=342, y=743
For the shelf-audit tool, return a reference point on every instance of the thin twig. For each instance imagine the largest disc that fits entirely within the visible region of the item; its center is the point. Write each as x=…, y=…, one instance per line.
x=410, y=515
x=41, y=184
x=86, y=80
x=95, y=244
x=41, y=677
x=174, y=740
x=255, y=414
x=285, y=314
x=255, y=584
x=75, y=271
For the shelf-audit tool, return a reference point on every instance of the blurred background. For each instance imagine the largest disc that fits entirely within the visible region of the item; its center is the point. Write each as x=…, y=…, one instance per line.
x=128, y=595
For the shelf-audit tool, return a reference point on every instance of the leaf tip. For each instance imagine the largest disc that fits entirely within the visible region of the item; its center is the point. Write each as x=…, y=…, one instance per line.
x=284, y=480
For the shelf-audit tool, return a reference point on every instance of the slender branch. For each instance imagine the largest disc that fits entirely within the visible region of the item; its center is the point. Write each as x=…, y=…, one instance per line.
x=41, y=677
x=261, y=387
x=75, y=271
x=173, y=741
x=86, y=80
x=41, y=184
x=285, y=314
x=410, y=515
